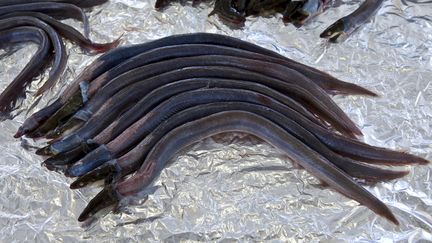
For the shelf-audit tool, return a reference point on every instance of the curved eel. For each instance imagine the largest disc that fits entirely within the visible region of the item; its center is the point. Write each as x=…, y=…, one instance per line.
x=16, y=88
x=79, y=3
x=54, y=9
x=60, y=59
x=344, y=27
x=118, y=55
x=234, y=121
x=69, y=33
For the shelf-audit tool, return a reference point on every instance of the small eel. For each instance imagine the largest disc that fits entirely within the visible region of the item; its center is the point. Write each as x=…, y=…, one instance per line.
x=234, y=121
x=57, y=10
x=79, y=3
x=15, y=89
x=69, y=33
x=213, y=90
x=118, y=55
x=269, y=69
x=60, y=59
x=131, y=161
x=344, y=27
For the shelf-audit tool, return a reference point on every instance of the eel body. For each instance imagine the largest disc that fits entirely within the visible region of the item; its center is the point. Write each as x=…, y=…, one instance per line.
x=16, y=89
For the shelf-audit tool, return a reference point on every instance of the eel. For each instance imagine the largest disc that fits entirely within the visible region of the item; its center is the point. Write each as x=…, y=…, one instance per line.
x=234, y=121
x=57, y=10
x=69, y=33
x=340, y=30
x=15, y=89
x=119, y=166
x=60, y=56
x=79, y=3
x=118, y=55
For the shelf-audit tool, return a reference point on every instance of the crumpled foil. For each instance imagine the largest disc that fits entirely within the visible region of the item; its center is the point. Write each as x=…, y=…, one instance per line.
x=235, y=187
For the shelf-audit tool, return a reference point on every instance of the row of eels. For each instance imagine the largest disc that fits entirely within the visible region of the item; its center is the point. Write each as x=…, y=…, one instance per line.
x=127, y=115
x=297, y=12
x=37, y=21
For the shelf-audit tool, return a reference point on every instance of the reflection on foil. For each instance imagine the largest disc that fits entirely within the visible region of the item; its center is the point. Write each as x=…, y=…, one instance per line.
x=236, y=188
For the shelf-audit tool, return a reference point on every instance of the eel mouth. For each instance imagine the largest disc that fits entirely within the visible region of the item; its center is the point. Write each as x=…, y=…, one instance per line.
x=104, y=199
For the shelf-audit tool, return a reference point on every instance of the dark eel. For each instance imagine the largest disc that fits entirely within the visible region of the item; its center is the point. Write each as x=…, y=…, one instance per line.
x=244, y=90
x=60, y=59
x=344, y=27
x=56, y=10
x=15, y=89
x=129, y=162
x=79, y=3
x=118, y=55
x=283, y=73
x=69, y=32
x=234, y=121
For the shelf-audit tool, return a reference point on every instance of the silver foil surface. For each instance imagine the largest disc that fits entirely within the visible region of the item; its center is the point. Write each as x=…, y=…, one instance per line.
x=235, y=187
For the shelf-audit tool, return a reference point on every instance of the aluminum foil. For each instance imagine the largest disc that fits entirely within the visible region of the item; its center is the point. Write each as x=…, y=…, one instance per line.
x=236, y=187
